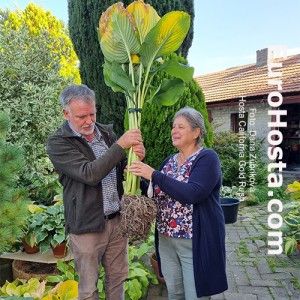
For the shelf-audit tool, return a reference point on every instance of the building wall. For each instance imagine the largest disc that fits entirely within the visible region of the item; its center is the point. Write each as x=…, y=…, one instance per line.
x=257, y=118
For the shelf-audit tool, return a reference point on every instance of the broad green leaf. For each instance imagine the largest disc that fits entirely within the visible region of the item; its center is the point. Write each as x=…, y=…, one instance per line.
x=142, y=250
x=55, y=278
x=137, y=272
x=176, y=69
x=292, y=220
x=40, y=236
x=165, y=37
x=290, y=246
x=134, y=289
x=63, y=267
x=11, y=289
x=169, y=92
x=297, y=236
x=116, y=78
x=145, y=17
x=285, y=228
x=118, y=38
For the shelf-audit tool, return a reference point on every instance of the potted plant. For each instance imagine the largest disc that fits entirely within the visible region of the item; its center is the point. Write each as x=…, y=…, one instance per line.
x=48, y=229
x=291, y=230
x=28, y=238
x=154, y=264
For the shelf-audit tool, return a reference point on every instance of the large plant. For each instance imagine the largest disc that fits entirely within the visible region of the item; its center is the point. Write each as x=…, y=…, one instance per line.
x=83, y=20
x=47, y=228
x=135, y=41
x=291, y=230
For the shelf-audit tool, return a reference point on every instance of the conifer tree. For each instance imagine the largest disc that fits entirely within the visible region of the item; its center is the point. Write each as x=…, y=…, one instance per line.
x=83, y=23
x=13, y=201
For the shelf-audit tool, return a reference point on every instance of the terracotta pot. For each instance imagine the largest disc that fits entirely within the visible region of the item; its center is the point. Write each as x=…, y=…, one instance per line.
x=60, y=250
x=154, y=265
x=298, y=246
x=28, y=249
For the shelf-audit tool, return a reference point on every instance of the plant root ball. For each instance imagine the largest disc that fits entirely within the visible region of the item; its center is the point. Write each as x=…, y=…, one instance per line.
x=137, y=216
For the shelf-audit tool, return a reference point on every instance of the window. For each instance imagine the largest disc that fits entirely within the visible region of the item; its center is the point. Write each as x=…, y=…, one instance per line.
x=209, y=114
x=237, y=121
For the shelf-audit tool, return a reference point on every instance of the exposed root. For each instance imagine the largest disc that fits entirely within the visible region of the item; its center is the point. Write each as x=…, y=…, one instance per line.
x=137, y=216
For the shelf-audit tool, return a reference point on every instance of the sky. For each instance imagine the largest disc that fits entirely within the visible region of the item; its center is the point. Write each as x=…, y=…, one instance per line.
x=227, y=33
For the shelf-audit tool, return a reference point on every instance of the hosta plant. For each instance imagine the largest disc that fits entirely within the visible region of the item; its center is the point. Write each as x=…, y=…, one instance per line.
x=135, y=42
x=291, y=228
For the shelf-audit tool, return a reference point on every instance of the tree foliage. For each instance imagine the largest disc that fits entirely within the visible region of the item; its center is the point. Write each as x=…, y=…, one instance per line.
x=29, y=88
x=36, y=20
x=13, y=201
x=83, y=23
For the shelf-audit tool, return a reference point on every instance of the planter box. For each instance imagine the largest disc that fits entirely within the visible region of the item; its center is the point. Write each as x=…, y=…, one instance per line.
x=230, y=208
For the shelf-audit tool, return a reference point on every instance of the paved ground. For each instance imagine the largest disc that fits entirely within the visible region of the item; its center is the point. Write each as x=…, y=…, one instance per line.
x=252, y=273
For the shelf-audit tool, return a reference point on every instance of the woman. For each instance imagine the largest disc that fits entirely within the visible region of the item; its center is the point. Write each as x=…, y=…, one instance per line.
x=190, y=221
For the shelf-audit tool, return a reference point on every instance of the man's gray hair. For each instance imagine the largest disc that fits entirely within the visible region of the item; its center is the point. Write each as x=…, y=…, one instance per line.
x=76, y=92
x=195, y=119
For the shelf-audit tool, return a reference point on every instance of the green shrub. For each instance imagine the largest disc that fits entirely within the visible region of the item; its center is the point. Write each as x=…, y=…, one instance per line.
x=226, y=144
x=157, y=121
x=29, y=86
x=260, y=194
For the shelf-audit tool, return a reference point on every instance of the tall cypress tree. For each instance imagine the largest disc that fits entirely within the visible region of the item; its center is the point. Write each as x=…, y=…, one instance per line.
x=83, y=23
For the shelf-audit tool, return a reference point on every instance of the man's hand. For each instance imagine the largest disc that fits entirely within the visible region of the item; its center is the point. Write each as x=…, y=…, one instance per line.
x=131, y=138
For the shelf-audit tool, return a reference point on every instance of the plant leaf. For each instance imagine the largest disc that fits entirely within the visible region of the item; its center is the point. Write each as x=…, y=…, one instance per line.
x=292, y=220
x=290, y=246
x=116, y=78
x=117, y=34
x=134, y=289
x=145, y=17
x=174, y=68
x=169, y=92
x=68, y=290
x=165, y=37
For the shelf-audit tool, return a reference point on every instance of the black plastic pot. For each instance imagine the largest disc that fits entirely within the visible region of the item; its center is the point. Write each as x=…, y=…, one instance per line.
x=5, y=270
x=230, y=208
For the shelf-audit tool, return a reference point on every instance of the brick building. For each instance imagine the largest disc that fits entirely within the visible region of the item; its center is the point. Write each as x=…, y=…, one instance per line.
x=245, y=89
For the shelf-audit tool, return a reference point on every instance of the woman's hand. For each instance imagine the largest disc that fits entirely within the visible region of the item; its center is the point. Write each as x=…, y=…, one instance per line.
x=138, y=168
x=139, y=150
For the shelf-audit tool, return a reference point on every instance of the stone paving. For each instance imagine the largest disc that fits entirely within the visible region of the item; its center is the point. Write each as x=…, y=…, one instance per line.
x=252, y=273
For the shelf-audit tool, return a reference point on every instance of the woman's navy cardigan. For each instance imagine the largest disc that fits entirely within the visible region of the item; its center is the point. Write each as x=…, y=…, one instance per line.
x=202, y=190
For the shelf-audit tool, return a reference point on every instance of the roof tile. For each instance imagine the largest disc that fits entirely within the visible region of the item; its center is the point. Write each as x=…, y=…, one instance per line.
x=249, y=80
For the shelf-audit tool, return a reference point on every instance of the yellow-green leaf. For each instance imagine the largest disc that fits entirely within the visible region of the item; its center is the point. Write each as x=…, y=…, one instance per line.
x=118, y=40
x=165, y=37
x=145, y=17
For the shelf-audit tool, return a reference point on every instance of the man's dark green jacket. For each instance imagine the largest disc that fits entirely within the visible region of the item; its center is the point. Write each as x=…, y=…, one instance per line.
x=80, y=174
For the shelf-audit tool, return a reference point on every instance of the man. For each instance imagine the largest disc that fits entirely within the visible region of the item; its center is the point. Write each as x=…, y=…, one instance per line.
x=89, y=164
